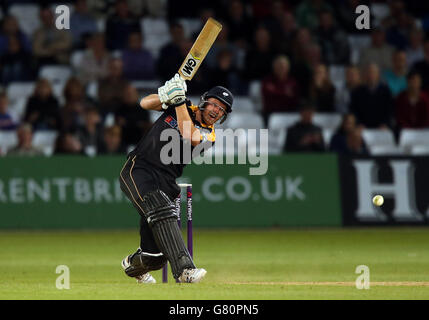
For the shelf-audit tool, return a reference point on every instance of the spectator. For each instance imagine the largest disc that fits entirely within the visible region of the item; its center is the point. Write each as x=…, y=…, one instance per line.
x=379, y=52
x=239, y=23
x=51, y=45
x=302, y=40
x=304, y=136
x=225, y=74
x=90, y=133
x=397, y=34
x=355, y=143
x=347, y=15
x=95, y=61
x=322, y=91
x=10, y=28
x=273, y=22
x=333, y=41
x=82, y=23
x=6, y=120
x=171, y=55
x=412, y=105
x=138, y=62
x=120, y=25
x=25, y=142
x=111, y=143
x=371, y=102
x=396, y=77
x=422, y=67
x=415, y=51
x=133, y=120
x=72, y=112
x=222, y=44
x=42, y=107
x=279, y=90
x=67, y=143
x=111, y=88
x=343, y=95
x=307, y=12
x=339, y=139
x=16, y=63
x=288, y=31
x=259, y=58
x=303, y=69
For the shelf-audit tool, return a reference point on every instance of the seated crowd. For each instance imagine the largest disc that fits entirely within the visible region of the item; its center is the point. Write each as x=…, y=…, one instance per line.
x=291, y=48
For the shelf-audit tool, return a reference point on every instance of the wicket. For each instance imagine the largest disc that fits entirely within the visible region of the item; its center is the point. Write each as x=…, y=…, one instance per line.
x=178, y=204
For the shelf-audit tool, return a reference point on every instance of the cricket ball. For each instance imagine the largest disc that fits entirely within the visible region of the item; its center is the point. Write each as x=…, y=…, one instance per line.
x=378, y=200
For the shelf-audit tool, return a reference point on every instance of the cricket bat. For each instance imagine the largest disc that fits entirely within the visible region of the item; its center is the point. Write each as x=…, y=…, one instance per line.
x=200, y=48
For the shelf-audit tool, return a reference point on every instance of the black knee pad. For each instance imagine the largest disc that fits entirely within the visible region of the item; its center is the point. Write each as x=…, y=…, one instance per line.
x=141, y=263
x=157, y=206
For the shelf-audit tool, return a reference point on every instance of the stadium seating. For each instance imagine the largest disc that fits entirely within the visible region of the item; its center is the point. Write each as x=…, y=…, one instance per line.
x=277, y=126
x=190, y=26
x=8, y=140
x=27, y=16
x=244, y=120
x=420, y=150
x=377, y=137
x=327, y=120
x=410, y=138
x=357, y=43
x=17, y=90
x=255, y=94
x=76, y=58
x=337, y=75
x=327, y=136
x=385, y=150
x=243, y=104
x=92, y=89
x=155, y=34
x=17, y=108
x=55, y=74
x=45, y=140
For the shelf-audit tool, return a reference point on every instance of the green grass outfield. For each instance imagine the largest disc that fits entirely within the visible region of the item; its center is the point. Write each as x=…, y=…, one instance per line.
x=241, y=264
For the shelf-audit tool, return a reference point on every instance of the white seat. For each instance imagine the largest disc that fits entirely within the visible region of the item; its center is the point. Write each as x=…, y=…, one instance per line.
x=357, y=43
x=55, y=74
x=27, y=16
x=243, y=104
x=17, y=108
x=92, y=90
x=17, y=90
x=327, y=120
x=385, y=150
x=76, y=58
x=420, y=150
x=8, y=139
x=278, y=123
x=255, y=93
x=190, y=26
x=246, y=120
x=327, y=135
x=154, y=115
x=101, y=24
x=379, y=11
x=337, y=73
x=412, y=137
x=155, y=34
x=45, y=140
x=379, y=137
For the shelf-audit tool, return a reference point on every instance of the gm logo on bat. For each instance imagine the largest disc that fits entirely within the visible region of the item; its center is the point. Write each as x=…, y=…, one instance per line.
x=190, y=65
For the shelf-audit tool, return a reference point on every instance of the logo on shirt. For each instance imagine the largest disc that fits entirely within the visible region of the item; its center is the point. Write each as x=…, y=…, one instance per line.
x=171, y=122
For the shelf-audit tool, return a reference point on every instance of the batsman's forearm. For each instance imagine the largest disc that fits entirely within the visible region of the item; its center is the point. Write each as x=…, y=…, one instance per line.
x=186, y=126
x=151, y=102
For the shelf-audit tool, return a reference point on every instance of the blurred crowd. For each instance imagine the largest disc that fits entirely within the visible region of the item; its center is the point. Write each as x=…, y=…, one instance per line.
x=289, y=46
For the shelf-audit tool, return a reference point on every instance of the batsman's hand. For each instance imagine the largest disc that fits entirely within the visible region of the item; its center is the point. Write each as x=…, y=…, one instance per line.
x=173, y=92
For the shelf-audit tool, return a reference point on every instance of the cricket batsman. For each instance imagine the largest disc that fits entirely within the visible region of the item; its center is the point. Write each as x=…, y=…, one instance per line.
x=150, y=184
